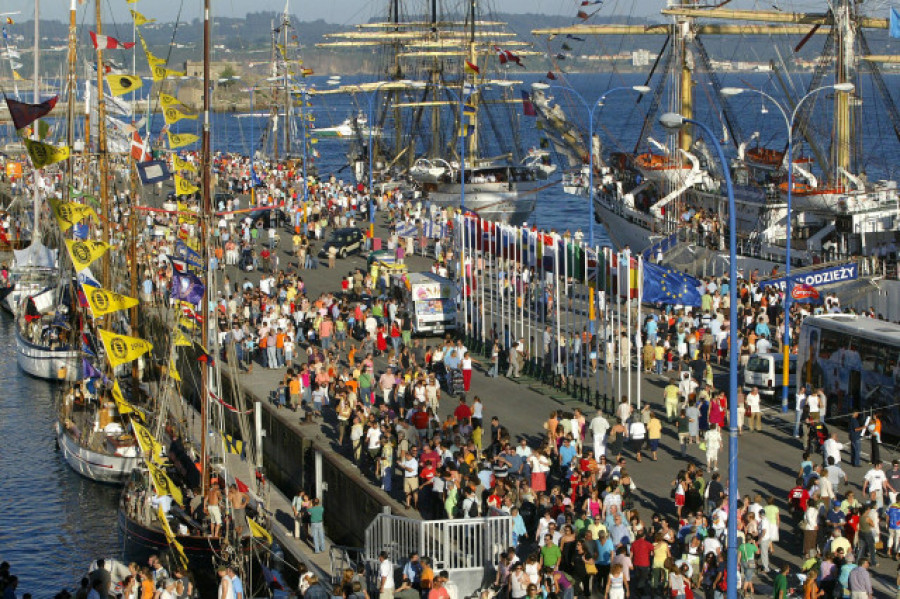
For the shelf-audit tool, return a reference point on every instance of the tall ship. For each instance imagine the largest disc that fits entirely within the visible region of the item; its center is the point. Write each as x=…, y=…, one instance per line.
x=447, y=110
x=653, y=194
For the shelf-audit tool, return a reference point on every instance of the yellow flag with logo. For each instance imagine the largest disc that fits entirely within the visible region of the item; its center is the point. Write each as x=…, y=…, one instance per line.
x=122, y=348
x=170, y=537
x=83, y=253
x=123, y=84
x=123, y=405
x=103, y=302
x=151, y=448
x=173, y=371
x=152, y=59
x=258, y=531
x=163, y=484
x=160, y=72
x=166, y=100
x=183, y=187
x=177, y=140
x=44, y=154
x=183, y=165
x=69, y=213
x=140, y=19
x=181, y=339
x=172, y=115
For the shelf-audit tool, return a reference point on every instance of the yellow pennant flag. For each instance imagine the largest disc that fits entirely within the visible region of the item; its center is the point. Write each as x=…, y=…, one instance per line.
x=258, y=531
x=186, y=324
x=149, y=445
x=160, y=72
x=183, y=187
x=123, y=84
x=170, y=537
x=83, y=253
x=43, y=154
x=103, y=302
x=123, y=405
x=153, y=60
x=131, y=1
x=140, y=19
x=122, y=348
x=17, y=77
x=177, y=140
x=173, y=371
x=173, y=115
x=69, y=213
x=181, y=339
x=183, y=165
x=166, y=100
x=164, y=484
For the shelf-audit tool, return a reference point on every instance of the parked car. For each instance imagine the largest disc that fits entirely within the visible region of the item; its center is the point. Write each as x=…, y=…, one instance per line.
x=347, y=241
x=271, y=218
x=766, y=372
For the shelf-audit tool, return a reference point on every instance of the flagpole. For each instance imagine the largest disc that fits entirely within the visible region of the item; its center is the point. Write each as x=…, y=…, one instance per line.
x=36, y=84
x=628, y=337
x=204, y=229
x=558, y=315
x=640, y=347
x=72, y=95
x=618, y=334
x=101, y=147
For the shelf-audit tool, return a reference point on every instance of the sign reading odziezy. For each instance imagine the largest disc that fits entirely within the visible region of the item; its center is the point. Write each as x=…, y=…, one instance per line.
x=819, y=278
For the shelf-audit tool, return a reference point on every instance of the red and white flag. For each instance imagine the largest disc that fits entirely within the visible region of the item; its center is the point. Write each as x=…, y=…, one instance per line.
x=104, y=42
x=139, y=148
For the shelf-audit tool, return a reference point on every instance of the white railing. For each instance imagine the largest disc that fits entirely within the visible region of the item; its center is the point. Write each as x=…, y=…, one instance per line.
x=452, y=545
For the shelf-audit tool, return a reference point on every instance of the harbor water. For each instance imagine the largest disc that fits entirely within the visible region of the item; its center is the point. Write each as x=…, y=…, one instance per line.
x=55, y=523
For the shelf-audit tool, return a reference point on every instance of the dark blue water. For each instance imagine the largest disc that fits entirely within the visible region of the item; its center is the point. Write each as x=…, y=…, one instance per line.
x=54, y=522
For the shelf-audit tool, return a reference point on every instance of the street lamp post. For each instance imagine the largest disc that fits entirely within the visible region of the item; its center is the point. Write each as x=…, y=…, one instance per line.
x=789, y=124
x=642, y=89
x=676, y=121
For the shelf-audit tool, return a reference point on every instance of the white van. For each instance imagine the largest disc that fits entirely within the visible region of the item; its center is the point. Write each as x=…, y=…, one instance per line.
x=766, y=372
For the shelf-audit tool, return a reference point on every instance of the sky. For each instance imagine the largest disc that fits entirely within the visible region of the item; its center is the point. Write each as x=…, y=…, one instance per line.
x=355, y=11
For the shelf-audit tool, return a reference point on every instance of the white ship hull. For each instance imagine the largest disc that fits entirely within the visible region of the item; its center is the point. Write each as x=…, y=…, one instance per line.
x=44, y=363
x=100, y=467
x=500, y=202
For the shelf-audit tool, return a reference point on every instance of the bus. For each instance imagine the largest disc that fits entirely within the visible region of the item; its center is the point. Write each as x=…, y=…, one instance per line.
x=856, y=360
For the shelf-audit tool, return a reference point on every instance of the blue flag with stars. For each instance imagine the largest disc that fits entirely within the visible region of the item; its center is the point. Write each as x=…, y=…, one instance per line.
x=667, y=286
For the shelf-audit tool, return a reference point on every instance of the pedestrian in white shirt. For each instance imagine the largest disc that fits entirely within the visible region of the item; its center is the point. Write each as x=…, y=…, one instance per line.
x=753, y=403
x=833, y=449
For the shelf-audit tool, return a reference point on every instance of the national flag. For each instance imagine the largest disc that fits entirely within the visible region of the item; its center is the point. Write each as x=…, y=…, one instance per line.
x=105, y=42
x=187, y=287
x=103, y=301
x=894, y=26
x=551, y=75
x=140, y=19
x=43, y=154
x=84, y=253
x=472, y=69
x=139, y=148
x=69, y=213
x=668, y=286
x=506, y=56
x=23, y=114
x=123, y=84
x=183, y=187
x=182, y=165
x=122, y=348
x=160, y=72
x=527, y=105
x=172, y=115
x=153, y=171
x=178, y=140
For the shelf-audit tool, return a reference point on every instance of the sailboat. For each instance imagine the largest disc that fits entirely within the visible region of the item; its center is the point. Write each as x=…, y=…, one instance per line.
x=449, y=103
x=642, y=197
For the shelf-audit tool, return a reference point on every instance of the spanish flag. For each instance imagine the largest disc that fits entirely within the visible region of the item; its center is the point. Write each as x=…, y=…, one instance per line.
x=178, y=140
x=123, y=84
x=472, y=69
x=122, y=348
x=44, y=154
x=103, y=302
x=69, y=213
x=183, y=187
x=84, y=253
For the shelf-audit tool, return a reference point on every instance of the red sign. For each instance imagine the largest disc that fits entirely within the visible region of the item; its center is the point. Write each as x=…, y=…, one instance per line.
x=803, y=291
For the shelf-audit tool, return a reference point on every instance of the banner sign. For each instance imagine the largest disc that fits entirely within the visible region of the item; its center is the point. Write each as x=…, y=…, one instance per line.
x=819, y=278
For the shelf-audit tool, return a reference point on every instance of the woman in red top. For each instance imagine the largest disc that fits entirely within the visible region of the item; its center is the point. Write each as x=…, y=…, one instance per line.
x=395, y=336
x=381, y=341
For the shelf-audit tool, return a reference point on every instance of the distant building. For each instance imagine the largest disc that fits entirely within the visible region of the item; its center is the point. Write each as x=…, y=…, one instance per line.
x=640, y=58
x=194, y=68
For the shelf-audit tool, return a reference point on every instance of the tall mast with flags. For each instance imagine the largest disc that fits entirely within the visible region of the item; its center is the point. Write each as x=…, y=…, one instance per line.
x=205, y=208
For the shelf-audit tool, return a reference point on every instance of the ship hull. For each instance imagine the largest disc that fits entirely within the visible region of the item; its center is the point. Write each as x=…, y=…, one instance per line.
x=492, y=201
x=100, y=467
x=44, y=363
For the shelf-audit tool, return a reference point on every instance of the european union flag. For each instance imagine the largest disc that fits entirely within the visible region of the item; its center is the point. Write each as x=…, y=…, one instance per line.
x=894, y=26
x=667, y=286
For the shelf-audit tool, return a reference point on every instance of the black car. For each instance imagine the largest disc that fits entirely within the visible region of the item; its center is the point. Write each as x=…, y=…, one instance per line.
x=346, y=241
x=271, y=218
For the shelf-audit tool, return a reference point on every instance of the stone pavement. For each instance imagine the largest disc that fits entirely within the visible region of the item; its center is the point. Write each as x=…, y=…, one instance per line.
x=768, y=460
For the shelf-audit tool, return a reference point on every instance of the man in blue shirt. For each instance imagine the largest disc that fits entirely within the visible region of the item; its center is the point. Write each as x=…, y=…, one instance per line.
x=237, y=587
x=893, y=518
x=567, y=453
x=605, y=550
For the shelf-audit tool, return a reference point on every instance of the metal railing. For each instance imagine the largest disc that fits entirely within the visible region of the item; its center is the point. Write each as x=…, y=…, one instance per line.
x=452, y=545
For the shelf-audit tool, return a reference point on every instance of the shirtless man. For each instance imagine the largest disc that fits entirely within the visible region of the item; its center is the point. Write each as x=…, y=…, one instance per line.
x=213, y=500
x=238, y=502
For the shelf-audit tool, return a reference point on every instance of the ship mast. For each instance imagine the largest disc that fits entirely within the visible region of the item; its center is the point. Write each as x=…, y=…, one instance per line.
x=844, y=39
x=471, y=56
x=71, y=84
x=205, y=192
x=36, y=82
x=102, y=159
